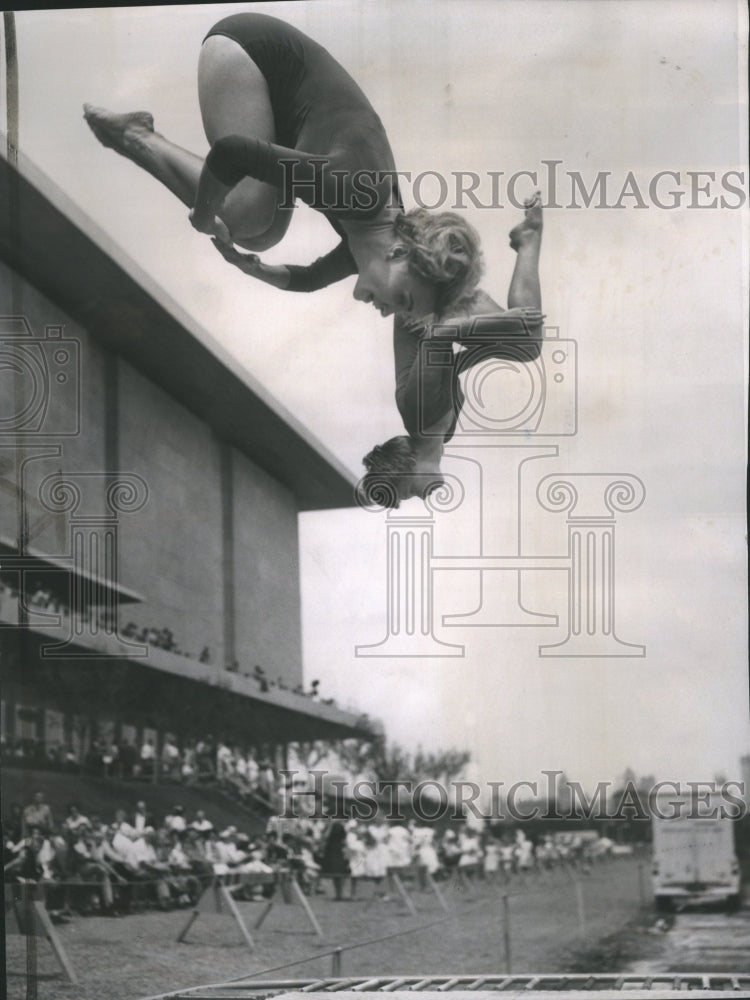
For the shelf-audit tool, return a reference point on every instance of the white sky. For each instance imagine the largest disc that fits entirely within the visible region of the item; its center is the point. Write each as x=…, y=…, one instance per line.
x=654, y=299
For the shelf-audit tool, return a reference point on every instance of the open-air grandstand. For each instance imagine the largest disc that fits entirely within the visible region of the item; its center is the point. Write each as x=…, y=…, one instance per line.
x=149, y=493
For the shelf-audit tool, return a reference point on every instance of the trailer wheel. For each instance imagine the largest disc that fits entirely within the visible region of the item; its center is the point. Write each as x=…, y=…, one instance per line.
x=663, y=904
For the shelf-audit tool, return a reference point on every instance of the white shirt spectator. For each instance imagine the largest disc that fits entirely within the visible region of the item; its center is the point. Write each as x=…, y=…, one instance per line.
x=175, y=821
x=399, y=846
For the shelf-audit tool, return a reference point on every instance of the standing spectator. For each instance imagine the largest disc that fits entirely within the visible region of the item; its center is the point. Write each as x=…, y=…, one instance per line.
x=110, y=761
x=224, y=762
x=170, y=757
x=37, y=814
x=424, y=849
x=491, y=859
x=356, y=852
x=471, y=851
x=334, y=862
x=148, y=756
x=266, y=779
x=399, y=846
x=128, y=757
x=189, y=765
x=252, y=770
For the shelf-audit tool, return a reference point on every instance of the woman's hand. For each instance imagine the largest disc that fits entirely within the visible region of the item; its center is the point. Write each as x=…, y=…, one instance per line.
x=248, y=263
x=210, y=226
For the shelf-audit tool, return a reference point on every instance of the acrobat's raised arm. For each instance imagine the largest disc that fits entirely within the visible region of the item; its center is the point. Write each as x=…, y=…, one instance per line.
x=428, y=360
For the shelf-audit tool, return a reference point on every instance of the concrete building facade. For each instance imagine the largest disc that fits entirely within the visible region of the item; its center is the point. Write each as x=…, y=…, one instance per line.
x=149, y=493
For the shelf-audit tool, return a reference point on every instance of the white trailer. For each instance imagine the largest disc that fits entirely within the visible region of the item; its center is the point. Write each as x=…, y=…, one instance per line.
x=693, y=858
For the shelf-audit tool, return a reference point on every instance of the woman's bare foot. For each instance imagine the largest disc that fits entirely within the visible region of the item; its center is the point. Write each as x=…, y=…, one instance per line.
x=531, y=226
x=122, y=132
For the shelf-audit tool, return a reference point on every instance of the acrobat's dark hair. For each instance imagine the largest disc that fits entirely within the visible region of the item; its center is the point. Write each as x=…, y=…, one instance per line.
x=384, y=464
x=393, y=456
x=444, y=248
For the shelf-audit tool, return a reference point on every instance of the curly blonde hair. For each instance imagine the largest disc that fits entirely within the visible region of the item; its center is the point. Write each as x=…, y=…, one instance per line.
x=445, y=249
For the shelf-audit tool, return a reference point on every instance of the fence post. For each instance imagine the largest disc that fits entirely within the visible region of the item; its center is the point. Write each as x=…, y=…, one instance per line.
x=336, y=963
x=506, y=932
x=31, y=955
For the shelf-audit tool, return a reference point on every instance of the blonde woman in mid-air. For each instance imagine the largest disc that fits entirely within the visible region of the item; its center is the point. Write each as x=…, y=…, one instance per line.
x=284, y=119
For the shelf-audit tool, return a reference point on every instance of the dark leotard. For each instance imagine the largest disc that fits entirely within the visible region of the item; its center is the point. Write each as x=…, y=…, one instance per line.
x=324, y=123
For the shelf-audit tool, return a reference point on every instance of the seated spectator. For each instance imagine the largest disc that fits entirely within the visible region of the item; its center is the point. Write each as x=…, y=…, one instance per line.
x=302, y=863
x=194, y=848
x=257, y=865
x=201, y=823
x=141, y=817
x=37, y=814
x=90, y=864
x=176, y=819
x=214, y=854
x=74, y=823
x=184, y=888
x=37, y=859
x=27, y=863
x=182, y=865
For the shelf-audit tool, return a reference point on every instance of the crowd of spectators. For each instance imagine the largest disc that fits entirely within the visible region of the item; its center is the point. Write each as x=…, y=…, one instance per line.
x=87, y=864
x=44, y=599
x=244, y=773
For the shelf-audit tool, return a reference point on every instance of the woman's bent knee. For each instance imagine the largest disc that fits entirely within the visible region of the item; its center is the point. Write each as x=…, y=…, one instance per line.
x=268, y=238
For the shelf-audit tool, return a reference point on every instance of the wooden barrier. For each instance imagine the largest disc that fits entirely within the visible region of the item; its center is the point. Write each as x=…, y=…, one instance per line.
x=26, y=914
x=219, y=897
x=423, y=878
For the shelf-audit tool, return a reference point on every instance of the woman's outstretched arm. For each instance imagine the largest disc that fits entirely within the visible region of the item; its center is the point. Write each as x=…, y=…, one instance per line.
x=326, y=270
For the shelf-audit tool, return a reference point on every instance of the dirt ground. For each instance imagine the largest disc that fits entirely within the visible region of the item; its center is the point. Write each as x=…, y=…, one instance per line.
x=124, y=958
